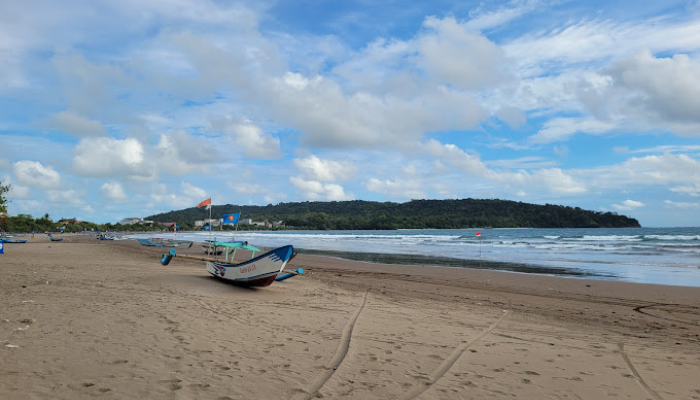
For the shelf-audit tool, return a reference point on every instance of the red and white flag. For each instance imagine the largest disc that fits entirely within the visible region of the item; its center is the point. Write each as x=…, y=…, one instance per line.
x=478, y=234
x=206, y=202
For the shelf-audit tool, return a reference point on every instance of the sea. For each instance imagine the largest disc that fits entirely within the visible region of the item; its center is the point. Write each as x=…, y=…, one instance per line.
x=666, y=256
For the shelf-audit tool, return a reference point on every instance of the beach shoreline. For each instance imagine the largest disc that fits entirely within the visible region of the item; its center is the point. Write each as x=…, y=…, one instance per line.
x=104, y=318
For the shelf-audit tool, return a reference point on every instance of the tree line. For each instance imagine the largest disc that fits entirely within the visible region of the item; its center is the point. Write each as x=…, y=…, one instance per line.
x=415, y=214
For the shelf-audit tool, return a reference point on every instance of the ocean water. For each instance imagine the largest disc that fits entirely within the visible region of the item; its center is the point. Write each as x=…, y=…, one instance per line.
x=668, y=256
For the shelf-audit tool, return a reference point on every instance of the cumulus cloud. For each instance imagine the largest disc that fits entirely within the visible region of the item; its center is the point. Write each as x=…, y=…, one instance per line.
x=314, y=190
x=549, y=179
x=104, y=157
x=314, y=168
x=36, y=175
x=456, y=157
x=113, y=191
x=180, y=153
x=416, y=86
x=662, y=90
x=628, y=205
x=454, y=55
x=663, y=169
x=249, y=139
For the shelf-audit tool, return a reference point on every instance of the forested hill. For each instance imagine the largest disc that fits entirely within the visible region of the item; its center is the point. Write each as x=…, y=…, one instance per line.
x=415, y=214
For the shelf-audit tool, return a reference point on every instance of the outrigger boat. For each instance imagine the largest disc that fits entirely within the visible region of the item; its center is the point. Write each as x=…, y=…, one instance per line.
x=258, y=271
x=210, y=247
x=13, y=240
x=164, y=243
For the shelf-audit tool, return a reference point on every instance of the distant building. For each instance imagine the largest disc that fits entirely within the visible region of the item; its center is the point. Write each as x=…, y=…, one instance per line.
x=199, y=223
x=246, y=221
x=65, y=222
x=133, y=221
x=213, y=222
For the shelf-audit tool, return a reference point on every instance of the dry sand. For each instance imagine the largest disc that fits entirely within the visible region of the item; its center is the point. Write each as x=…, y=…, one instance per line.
x=105, y=319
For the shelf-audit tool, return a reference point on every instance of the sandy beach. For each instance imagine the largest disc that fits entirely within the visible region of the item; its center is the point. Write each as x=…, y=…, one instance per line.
x=85, y=318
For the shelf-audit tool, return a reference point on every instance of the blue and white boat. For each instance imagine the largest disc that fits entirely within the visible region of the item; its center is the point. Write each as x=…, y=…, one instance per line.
x=258, y=271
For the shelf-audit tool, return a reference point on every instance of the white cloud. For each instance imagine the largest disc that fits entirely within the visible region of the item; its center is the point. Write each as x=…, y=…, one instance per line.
x=249, y=138
x=103, y=157
x=34, y=174
x=586, y=41
x=248, y=188
x=692, y=190
x=399, y=189
x=19, y=192
x=628, y=205
x=193, y=192
x=74, y=124
x=484, y=20
x=553, y=180
x=561, y=150
x=665, y=149
x=550, y=179
x=187, y=196
x=561, y=129
x=512, y=116
x=456, y=157
x=67, y=197
x=314, y=168
x=664, y=91
x=317, y=191
x=113, y=191
x=180, y=153
x=454, y=55
x=681, y=205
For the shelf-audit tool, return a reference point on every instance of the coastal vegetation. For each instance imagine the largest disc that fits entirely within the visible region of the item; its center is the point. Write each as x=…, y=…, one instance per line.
x=27, y=223
x=415, y=214
x=3, y=189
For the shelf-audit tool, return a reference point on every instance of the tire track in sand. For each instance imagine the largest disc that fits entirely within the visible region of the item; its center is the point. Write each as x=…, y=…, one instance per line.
x=441, y=370
x=340, y=353
x=634, y=372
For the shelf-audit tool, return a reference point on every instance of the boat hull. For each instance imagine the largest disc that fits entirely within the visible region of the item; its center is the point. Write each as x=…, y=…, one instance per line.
x=259, y=271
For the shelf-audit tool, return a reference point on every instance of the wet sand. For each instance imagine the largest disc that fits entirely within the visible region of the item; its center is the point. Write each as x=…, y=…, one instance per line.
x=104, y=319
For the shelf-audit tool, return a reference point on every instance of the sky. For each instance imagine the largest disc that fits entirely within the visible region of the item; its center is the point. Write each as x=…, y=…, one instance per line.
x=116, y=109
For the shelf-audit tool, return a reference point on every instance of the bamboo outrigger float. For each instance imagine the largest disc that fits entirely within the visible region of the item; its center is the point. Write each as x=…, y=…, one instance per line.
x=258, y=271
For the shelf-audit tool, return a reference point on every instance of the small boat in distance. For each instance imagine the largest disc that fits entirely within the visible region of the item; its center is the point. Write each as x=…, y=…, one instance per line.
x=258, y=271
x=13, y=240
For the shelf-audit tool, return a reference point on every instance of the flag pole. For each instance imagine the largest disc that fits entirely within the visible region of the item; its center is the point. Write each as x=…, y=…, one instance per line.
x=210, y=227
x=237, y=222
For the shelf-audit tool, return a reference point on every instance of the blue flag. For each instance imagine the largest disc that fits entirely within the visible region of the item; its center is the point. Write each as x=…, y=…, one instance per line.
x=207, y=227
x=231, y=218
x=2, y=251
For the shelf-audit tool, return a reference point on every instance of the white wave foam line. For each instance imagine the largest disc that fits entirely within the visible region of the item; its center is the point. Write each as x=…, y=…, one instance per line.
x=673, y=237
x=635, y=238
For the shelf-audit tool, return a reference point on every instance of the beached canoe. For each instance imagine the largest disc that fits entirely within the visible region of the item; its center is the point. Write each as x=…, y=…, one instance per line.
x=259, y=271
